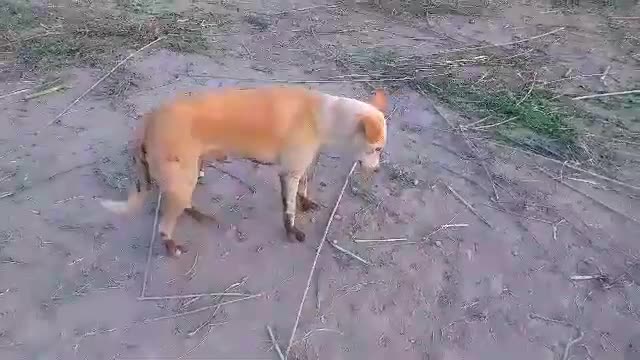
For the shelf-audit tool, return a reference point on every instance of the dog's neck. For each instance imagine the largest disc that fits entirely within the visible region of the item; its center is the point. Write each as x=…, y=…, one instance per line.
x=339, y=121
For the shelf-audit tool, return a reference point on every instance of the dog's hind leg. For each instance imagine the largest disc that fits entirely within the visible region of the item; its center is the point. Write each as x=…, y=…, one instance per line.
x=177, y=184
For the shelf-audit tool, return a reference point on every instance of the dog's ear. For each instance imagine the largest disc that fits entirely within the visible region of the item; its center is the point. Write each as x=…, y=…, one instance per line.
x=379, y=100
x=372, y=127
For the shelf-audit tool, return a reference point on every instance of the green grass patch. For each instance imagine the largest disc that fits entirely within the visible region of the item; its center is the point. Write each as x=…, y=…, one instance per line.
x=44, y=38
x=537, y=123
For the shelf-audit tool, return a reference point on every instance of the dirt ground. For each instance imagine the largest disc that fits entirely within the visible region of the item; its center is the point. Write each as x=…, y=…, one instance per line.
x=497, y=284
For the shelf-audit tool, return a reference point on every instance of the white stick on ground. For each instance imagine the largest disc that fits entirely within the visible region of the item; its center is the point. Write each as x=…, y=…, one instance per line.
x=315, y=260
x=102, y=79
x=378, y=240
x=637, y=91
x=275, y=342
x=145, y=278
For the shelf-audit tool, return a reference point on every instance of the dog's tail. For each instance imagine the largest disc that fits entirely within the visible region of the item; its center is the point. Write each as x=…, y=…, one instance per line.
x=138, y=192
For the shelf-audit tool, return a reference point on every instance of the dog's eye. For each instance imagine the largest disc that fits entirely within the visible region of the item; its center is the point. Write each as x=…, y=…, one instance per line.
x=378, y=149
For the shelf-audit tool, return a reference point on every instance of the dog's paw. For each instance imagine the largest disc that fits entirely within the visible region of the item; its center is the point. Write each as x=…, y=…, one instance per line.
x=307, y=204
x=174, y=250
x=298, y=234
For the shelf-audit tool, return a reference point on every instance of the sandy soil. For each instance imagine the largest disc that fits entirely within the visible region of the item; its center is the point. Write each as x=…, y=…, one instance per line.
x=71, y=273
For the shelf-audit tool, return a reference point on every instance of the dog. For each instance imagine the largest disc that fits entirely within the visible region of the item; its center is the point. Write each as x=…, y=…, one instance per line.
x=275, y=125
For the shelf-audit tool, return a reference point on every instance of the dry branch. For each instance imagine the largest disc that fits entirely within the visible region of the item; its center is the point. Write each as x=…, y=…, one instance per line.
x=55, y=120
x=315, y=260
x=468, y=205
x=378, y=240
x=618, y=182
x=275, y=343
x=565, y=355
x=201, y=309
x=497, y=45
x=348, y=252
x=592, y=96
x=628, y=217
x=145, y=278
x=473, y=149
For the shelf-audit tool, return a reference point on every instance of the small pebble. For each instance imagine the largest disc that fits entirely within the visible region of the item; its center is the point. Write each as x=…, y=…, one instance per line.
x=438, y=243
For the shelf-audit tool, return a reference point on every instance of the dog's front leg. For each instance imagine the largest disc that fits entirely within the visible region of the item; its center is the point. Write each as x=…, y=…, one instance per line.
x=306, y=204
x=289, y=188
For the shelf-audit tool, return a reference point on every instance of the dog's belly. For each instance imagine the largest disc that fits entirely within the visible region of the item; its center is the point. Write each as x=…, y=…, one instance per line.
x=258, y=157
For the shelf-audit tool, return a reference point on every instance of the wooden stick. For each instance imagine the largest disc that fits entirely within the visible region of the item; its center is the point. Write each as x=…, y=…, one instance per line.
x=145, y=278
x=468, y=205
x=473, y=149
x=215, y=311
x=618, y=182
x=44, y=92
x=533, y=83
x=201, y=309
x=493, y=125
x=628, y=217
x=547, y=319
x=14, y=93
x=637, y=91
x=378, y=240
x=571, y=342
x=586, y=277
x=497, y=45
x=275, y=343
x=348, y=252
x=315, y=260
x=303, y=9
x=188, y=296
x=250, y=187
x=55, y=120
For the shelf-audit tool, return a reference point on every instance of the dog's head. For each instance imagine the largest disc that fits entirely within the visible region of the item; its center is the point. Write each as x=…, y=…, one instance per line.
x=372, y=131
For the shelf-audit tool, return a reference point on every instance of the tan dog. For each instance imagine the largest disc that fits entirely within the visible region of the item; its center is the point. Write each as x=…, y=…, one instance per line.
x=283, y=126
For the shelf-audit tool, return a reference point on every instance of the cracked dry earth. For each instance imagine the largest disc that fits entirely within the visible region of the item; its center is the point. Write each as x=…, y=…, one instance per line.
x=70, y=273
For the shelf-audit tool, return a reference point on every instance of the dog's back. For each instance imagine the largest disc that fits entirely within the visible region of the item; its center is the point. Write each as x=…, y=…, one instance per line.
x=255, y=123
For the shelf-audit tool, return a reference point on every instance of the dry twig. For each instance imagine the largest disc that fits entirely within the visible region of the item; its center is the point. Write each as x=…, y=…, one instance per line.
x=201, y=309
x=147, y=266
x=468, y=205
x=303, y=9
x=44, y=92
x=587, y=277
x=565, y=355
x=547, y=319
x=592, y=96
x=275, y=343
x=14, y=93
x=378, y=240
x=57, y=118
x=189, y=296
x=315, y=260
x=250, y=187
x=497, y=45
x=533, y=84
x=628, y=217
x=493, y=125
x=618, y=182
x=473, y=149
x=348, y=252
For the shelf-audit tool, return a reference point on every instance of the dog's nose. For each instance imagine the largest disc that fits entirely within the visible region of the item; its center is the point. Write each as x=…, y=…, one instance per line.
x=376, y=169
